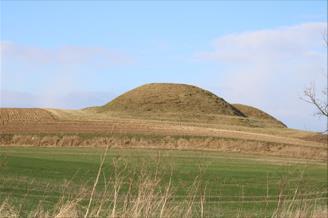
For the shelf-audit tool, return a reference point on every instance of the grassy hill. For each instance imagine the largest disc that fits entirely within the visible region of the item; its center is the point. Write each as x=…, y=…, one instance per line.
x=256, y=113
x=181, y=102
x=170, y=98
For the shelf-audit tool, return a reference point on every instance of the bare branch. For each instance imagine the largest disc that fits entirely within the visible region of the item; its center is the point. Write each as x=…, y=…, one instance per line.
x=321, y=104
x=325, y=38
x=310, y=97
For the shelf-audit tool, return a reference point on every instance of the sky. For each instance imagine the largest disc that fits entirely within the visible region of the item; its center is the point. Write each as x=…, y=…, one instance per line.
x=75, y=54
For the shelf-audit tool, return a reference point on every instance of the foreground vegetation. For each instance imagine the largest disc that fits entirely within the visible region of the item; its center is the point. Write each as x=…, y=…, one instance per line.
x=36, y=181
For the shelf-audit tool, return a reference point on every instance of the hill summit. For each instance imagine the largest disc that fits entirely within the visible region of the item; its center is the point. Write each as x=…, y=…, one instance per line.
x=171, y=98
x=182, y=102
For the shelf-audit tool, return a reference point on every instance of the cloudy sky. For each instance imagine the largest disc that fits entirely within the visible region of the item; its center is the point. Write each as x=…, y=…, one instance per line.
x=72, y=54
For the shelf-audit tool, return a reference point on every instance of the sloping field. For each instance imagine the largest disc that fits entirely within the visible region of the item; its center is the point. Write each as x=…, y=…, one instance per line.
x=9, y=115
x=218, y=184
x=148, y=128
x=81, y=128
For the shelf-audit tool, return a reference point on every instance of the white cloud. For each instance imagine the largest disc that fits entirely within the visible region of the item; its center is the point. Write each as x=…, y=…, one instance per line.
x=279, y=43
x=50, y=72
x=73, y=100
x=65, y=55
x=270, y=68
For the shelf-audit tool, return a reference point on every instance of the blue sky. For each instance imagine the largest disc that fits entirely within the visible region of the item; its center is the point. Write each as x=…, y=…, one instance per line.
x=74, y=54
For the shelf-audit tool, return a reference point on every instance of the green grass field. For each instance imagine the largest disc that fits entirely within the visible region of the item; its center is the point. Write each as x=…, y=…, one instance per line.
x=231, y=183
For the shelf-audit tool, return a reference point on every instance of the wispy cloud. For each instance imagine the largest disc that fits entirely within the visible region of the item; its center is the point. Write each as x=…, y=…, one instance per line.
x=50, y=72
x=64, y=55
x=271, y=44
x=270, y=68
x=72, y=100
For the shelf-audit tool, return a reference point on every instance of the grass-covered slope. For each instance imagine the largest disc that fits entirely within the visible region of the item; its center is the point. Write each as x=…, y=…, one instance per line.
x=231, y=185
x=256, y=113
x=170, y=98
x=181, y=102
x=25, y=115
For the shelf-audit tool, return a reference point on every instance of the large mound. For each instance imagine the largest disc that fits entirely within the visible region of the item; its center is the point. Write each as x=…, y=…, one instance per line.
x=170, y=98
x=256, y=113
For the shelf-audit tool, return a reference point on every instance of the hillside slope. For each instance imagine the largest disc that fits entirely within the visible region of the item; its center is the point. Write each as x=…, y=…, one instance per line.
x=25, y=115
x=170, y=98
x=256, y=113
x=182, y=102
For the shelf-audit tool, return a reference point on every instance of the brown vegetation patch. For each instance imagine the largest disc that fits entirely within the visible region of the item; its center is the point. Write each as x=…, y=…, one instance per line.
x=319, y=137
x=256, y=113
x=169, y=142
x=172, y=98
x=23, y=115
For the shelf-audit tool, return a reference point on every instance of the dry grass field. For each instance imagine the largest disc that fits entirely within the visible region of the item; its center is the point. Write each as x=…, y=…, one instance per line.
x=52, y=127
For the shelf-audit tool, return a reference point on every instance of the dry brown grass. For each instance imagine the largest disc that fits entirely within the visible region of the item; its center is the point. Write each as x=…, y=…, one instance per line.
x=221, y=122
x=150, y=200
x=166, y=142
x=148, y=203
x=172, y=98
x=53, y=127
x=23, y=115
x=133, y=126
x=253, y=112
